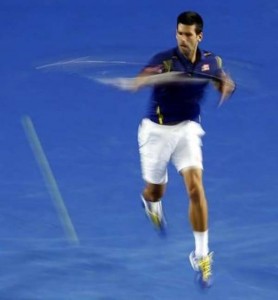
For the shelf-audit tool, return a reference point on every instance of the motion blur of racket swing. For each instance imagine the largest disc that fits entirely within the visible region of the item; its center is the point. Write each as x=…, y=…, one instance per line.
x=85, y=66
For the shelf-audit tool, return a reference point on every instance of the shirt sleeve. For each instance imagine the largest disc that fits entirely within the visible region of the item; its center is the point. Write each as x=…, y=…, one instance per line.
x=218, y=67
x=154, y=66
x=219, y=72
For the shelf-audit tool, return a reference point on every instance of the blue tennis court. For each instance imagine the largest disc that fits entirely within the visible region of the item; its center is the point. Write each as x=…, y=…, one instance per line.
x=89, y=135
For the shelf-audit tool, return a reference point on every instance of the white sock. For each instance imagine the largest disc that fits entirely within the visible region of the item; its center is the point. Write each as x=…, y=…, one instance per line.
x=154, y=207
x=201, y=243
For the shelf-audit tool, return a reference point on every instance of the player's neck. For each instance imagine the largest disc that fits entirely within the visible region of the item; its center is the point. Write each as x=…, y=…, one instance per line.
x=193, y=56
x=196, y=56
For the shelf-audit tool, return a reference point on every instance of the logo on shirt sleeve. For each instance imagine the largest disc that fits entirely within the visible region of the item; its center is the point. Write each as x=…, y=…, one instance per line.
x=205, y=67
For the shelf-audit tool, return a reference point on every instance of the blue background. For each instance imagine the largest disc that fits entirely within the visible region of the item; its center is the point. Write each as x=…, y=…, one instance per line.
x=89, y=134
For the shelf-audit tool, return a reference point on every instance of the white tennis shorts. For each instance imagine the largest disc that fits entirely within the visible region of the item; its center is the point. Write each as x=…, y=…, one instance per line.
x=160, y=144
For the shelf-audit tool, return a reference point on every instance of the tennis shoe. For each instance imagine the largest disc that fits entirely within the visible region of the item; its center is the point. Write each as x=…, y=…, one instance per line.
x=203, y=268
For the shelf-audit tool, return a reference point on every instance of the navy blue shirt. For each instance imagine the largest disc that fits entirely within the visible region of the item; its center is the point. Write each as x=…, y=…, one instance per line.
x=173, y=103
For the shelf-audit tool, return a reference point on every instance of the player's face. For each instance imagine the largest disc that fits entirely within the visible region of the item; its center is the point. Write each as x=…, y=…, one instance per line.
x=188, y=39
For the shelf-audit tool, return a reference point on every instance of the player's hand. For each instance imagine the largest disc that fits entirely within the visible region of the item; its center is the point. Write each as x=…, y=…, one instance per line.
x=226, y=88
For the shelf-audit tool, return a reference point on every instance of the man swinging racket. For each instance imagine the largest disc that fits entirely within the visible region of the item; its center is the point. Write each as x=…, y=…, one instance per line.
x=171, y=130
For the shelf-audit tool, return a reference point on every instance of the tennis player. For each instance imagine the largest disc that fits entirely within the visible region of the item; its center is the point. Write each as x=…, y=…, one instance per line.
x=171, y=131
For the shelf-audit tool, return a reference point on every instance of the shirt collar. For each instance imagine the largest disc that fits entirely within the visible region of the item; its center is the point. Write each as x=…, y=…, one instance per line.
x=185, y=60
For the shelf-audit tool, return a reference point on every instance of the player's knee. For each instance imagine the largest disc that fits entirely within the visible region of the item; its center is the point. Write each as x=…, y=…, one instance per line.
x=196, y=192
x=153, y=193
x=196, y=189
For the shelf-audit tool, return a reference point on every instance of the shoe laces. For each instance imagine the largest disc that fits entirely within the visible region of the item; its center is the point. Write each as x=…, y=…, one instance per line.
x=205, y=266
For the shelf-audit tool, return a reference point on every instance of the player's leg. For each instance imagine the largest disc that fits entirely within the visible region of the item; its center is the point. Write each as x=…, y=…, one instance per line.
x=198, y=209
x=154, y=156
x=188, y=160
x=153, y=192
x=151, y=199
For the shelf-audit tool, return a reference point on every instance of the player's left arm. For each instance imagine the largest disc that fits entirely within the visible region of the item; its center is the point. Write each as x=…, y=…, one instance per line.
x=224, y=82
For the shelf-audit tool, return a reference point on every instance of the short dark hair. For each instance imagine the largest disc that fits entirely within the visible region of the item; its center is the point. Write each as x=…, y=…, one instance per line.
x=191, y=18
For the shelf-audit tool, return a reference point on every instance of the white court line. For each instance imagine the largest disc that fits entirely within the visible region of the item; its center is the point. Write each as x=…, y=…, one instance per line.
x=49, y=179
